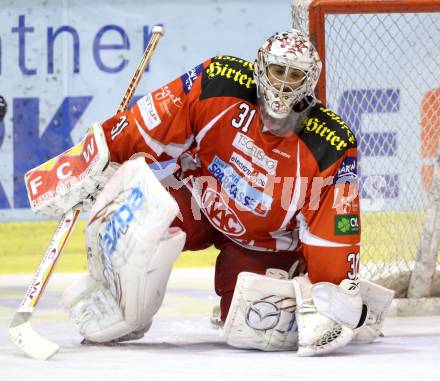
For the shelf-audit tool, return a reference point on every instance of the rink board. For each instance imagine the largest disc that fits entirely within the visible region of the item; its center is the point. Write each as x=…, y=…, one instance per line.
x=384, y=238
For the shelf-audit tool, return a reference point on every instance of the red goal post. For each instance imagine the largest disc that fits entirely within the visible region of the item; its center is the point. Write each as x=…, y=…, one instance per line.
x=381, y=73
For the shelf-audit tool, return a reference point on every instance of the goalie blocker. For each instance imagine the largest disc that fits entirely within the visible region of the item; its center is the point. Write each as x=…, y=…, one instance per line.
x=74, y=177
x=284, y=314
x=130, y=250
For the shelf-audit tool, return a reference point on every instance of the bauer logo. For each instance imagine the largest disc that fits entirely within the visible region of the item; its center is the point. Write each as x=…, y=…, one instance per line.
x=148, y=111
x=220, y=215
x=347, y=225
x=120, y=221
x=347, y=171
x=189, y=77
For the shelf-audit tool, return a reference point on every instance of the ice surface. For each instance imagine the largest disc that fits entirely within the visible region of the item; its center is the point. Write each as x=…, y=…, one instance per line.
x=182, y=345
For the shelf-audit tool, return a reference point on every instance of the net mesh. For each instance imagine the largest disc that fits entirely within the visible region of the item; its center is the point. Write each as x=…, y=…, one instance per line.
x=383, y=79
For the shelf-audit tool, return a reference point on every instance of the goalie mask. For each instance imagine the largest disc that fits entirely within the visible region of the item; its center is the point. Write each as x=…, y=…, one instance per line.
x=286, y=72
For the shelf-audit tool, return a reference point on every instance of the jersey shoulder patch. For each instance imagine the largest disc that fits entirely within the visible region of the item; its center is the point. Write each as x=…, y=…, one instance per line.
x=327, y=136
x=228, y=76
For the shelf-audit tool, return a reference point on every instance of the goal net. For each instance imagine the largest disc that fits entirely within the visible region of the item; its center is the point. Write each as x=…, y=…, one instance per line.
x=381, y=74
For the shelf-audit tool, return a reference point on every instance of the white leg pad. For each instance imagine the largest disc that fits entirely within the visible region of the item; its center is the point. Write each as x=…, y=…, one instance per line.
x=130, y=250
x=156, y=280
x=97, y=314
x=262, y=314
x=94, y=311
x=378, y=299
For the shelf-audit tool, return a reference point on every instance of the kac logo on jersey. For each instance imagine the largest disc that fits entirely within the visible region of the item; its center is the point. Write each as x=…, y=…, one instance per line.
x=220, y=215
x=347, y=172
x=189, y=77
x=239, y=190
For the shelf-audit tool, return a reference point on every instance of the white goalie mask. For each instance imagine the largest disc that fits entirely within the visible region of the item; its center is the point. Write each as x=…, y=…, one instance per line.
x=286, y=72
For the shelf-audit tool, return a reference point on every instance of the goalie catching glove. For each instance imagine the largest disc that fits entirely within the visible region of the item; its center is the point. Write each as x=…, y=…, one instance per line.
x=331, y=316
x=327, y=315
x=130, y=250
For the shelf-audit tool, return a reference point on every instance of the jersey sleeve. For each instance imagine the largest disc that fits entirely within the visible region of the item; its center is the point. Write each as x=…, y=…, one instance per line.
x=159, y=126
x=329, y=222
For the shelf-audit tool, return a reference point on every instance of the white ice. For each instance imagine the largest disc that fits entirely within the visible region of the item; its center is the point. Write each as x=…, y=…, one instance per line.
x=182, y=345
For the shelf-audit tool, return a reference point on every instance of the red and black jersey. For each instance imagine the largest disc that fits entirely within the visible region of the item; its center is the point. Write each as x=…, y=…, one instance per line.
x=262, y=191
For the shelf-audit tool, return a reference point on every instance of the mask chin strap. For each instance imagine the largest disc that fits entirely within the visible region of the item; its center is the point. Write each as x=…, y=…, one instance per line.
x=292, y=123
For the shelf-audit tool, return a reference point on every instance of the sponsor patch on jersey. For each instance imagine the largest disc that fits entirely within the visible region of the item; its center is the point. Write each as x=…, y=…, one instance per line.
x=327, y=133
x=220, y=215
x=246, y=168
x=345, y=204
x=326, y=136
x=246, y=145
x=239, y=190
x=347, y=172
x=189, y=77
x=347, y=225
x=148, y=111
x=228, y=76
x=165, y=94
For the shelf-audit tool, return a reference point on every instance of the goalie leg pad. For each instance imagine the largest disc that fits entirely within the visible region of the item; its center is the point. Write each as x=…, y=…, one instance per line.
x=130, y=250
x=262, y=314
x=94, y=311
x=378, y=299
x=326, y=315
x=100, y=318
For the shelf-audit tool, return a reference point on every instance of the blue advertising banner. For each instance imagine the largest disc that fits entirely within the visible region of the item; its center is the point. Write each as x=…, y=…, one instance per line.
x=65, y=64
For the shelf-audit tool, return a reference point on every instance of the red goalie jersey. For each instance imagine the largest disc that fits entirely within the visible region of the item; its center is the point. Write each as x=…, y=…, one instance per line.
x=262, y=191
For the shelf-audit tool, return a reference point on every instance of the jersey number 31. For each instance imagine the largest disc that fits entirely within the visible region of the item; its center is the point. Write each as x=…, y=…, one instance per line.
x=244, y=118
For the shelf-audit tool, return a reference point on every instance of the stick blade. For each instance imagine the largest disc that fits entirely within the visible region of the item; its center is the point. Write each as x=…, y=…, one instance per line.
x=31, y=343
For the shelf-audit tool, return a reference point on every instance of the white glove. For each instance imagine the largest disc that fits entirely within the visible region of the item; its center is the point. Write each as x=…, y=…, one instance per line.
x=327, y=315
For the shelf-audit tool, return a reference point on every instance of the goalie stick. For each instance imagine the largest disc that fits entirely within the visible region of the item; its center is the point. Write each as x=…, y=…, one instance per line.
x=20, y=330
